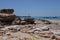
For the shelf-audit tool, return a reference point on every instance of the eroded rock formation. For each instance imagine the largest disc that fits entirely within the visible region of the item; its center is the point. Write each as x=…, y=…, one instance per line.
x=7, y=16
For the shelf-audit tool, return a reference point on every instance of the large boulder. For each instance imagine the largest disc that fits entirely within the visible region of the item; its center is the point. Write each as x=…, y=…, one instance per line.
x=7, y=17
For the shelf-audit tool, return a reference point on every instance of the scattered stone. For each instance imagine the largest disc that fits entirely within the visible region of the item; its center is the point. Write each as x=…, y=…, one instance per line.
x=17, y=21
x=45, y=28
x=29, y=20
x=46, y=34
x=30, y=31
x=2, y=33
x=23, y=22
x=58, y=38
x=46, y=22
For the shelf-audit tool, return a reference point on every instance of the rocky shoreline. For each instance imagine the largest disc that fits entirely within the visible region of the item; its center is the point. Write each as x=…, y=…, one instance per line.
x=14, y=28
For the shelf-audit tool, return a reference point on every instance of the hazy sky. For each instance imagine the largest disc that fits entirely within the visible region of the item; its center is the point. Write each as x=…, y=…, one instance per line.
x=33, y=7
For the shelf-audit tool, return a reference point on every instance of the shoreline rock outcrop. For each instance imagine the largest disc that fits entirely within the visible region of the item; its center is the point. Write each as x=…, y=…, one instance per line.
x=7, y=16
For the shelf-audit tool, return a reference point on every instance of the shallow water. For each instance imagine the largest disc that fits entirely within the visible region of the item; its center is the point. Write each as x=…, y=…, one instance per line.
x=40, y=17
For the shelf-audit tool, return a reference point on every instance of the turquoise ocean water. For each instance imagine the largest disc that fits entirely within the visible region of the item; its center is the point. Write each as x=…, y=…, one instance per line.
x=45, y=18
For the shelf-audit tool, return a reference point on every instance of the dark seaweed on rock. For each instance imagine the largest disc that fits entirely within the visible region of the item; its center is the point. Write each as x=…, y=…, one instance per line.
x=9, y=11
x=29, y=20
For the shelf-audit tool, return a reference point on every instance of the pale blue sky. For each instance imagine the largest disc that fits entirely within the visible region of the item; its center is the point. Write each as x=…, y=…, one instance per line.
x=33, y=7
